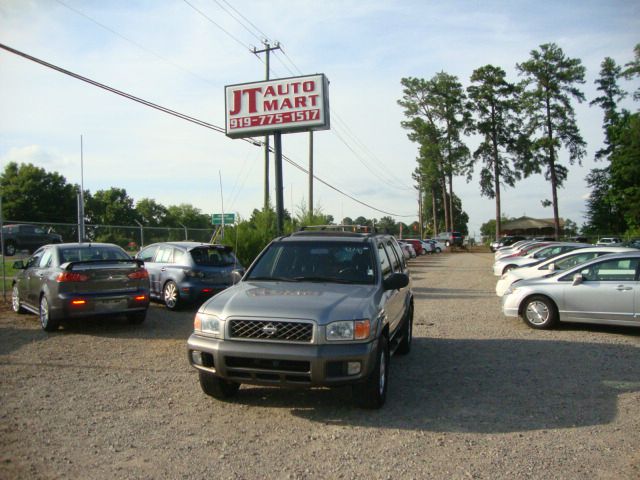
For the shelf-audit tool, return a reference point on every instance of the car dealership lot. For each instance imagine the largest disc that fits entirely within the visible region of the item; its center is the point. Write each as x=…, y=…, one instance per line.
x=479, y=396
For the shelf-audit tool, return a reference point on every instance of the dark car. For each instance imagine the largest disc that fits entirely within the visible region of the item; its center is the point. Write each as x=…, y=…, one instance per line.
x=315, y=309
x=450, y=238
x=189, y=272
x=416, y=244
x=26, y=237
x=71, y=280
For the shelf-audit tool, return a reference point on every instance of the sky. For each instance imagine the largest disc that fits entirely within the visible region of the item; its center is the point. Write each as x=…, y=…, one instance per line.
x=180, y=54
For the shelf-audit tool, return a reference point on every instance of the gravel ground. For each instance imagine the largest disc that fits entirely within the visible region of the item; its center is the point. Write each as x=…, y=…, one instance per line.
x=479, y=396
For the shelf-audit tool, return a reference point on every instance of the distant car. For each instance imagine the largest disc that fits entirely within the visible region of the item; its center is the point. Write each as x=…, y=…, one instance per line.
x=188, y=272
x=26, y=237
x=555, y=264
x=505, y=241
x=71, y=280
x=417, y=245
x=450, y=238
x=603, y=291
x=438, y=247
x=407, y=250
x=428, y=247
x=609, y=242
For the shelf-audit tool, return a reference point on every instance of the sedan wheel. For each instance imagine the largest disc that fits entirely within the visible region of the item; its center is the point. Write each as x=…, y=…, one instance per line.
x=539, y=312
x=171, y=296
x=15, y=300
x=48, y=325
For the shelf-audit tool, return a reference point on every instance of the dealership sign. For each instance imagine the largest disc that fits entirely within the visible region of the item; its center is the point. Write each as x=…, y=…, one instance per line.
x=285, y=105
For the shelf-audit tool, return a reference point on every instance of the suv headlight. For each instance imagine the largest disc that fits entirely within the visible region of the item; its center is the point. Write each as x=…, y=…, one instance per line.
x=209, y=324
x=348, y=330
x=512, y=288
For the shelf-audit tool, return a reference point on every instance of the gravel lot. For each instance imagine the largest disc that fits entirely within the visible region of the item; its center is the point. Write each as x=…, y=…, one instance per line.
x=480, y=396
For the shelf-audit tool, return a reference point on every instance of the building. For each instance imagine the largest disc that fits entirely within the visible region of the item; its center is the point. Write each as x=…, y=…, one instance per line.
x=531, y=227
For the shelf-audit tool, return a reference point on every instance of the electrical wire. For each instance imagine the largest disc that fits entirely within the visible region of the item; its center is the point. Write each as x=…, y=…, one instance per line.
x=216, y=24
x=241, y=24
x=183, y=117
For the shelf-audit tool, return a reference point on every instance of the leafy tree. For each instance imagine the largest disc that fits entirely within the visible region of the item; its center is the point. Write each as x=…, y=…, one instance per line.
x=603, y=214
x=550, y=84
x=30, y=193
x=187, y=215
x=437, y=115
x=633, y=70
x=110, y=207
x=495, y=103
x=151, y=213
x=625, y=168
x=387, y=224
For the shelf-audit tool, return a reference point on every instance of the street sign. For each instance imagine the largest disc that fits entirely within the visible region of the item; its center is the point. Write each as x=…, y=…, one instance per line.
x=229, y=218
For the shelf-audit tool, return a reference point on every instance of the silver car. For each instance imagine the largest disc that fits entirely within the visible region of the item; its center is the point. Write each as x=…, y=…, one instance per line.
x=315, y=309
x=604, y=290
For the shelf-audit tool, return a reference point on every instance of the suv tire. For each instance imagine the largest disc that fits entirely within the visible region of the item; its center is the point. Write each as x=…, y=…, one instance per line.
x=9, y=249
x=171, y=295
x=372, y=392
x=217, y=387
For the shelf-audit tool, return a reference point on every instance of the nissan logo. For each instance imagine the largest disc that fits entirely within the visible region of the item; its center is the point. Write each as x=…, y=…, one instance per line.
x=270, y=329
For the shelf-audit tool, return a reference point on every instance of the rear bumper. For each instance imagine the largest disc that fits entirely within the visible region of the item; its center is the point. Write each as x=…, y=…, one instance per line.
x=68, y=305
x=278, y=364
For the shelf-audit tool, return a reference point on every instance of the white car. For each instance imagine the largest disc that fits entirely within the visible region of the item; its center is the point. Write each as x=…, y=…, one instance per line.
x=551, y=265
x=438, y=247
x=513, y=249
x=545, y=251
x=609, y=242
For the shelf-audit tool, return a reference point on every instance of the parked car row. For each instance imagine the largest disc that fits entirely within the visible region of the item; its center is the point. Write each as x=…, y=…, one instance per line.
x=63, y=281
x=569, y=282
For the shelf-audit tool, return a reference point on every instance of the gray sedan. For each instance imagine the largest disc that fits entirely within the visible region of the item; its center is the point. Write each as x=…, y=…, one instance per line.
x=605, y=290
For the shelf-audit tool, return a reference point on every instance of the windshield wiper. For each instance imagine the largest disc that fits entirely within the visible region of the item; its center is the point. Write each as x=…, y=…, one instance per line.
x=273, y=279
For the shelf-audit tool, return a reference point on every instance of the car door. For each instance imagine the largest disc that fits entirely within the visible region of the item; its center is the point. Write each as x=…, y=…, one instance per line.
x=606, y=293
x=31, y=278
x=147, y=256
x=393, y=299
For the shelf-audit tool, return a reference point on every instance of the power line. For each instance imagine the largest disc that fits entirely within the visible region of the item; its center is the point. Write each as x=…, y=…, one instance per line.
x=181, y=116
x=241, y=24
x=215, y=23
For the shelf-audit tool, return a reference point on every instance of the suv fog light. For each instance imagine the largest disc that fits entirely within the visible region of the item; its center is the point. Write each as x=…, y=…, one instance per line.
x=353, y=368
x=196, y=357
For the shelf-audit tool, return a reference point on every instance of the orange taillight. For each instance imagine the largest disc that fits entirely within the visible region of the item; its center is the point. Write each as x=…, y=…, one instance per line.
x=71, y=277
x=139, y=274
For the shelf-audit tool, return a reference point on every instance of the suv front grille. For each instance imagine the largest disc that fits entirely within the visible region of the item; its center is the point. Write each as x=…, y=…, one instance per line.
x=298, y=332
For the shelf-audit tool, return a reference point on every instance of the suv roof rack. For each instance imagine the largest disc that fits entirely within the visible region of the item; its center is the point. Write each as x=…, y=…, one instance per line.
x=340, y=228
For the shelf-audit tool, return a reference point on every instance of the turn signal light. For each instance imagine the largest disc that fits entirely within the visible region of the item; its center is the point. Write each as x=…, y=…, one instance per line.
x=139, y=274
x=78, y=302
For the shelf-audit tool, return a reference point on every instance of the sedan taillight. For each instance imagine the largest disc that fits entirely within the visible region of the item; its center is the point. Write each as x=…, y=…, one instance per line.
x=71, y=277
x=139, y=274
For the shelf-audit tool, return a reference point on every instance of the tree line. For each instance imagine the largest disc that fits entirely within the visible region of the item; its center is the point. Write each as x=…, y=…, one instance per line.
x=522, y=127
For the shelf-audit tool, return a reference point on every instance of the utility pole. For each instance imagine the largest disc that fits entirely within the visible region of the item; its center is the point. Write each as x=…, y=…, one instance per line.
x=420, y=207
x=310, y=175
x=267, y=49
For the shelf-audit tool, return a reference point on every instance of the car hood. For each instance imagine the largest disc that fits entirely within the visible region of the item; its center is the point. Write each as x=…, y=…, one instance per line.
x=320, y=302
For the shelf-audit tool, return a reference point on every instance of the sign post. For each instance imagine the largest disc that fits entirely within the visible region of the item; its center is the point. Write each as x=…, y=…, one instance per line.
x=274, y=107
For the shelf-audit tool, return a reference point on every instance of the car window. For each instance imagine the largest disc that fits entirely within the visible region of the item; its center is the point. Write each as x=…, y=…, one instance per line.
x=385, y=263
x=213, y=256
x=393, y=255
x=164, y=254
x=148, y=253
x=82, y=254
x=326, y=261
x=35, y=259
x=572, y=261
x=178, y=256
x=615, y=270
x=45, y=260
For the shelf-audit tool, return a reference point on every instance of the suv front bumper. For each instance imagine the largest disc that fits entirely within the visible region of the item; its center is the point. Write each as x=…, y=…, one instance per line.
x=282, y=364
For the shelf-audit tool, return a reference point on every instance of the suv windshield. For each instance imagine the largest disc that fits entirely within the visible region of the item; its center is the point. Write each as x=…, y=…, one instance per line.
x=341, y=262
x=212, y=257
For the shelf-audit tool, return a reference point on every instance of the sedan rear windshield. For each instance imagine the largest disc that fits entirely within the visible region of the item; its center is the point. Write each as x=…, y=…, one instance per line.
x=213, y=257
x=82, y=254
x=337, y=262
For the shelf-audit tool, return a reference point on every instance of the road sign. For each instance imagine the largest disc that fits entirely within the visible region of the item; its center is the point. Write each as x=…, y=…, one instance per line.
x=229, y=218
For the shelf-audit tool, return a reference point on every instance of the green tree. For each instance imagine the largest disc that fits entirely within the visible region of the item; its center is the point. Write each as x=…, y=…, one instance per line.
x=550, y=84
x=387, y=224
x=30, y=193
x=625, y=168
x=633, y=70
x=495, y=103
x=110, y=207
x=151, y=213
x=187, y=215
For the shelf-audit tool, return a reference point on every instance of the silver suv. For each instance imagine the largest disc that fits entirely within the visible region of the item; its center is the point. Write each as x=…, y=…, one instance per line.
x=315, y=309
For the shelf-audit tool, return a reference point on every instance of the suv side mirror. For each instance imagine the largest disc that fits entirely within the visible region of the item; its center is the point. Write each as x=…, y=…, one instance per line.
x=577, y=279
x=18, y=265
x=396, y=281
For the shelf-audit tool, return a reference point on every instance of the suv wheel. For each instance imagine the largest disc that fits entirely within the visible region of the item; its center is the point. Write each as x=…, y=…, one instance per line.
x=171, y=295
x=217, y=387
x=372, y=392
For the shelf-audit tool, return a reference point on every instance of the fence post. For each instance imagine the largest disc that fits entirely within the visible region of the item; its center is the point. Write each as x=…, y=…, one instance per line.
x=141, y=233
